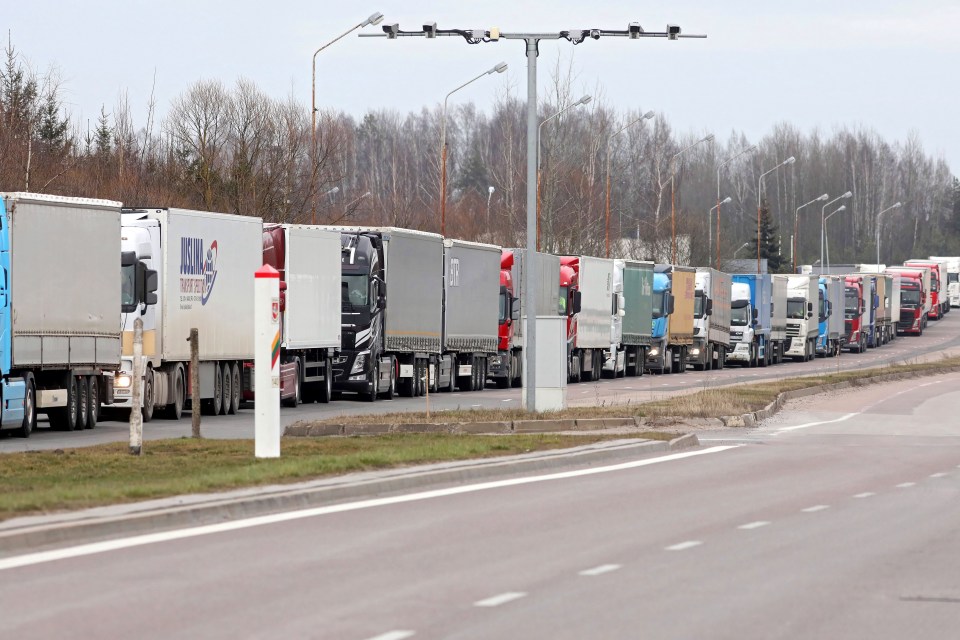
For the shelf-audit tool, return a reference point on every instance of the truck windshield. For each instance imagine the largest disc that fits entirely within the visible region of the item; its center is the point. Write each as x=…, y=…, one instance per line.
x=698, y=304
x=953, y=277
x=659, y=302
x=851, y=303
x=562, y=305
x=822, y=310
x=796, y=308
x=910, y=296
x=503, y=307
x=128, y=295
x=740, y=314
x=354, y=292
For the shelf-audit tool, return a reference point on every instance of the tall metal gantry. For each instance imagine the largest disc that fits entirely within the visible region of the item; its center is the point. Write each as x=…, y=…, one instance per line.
x=532, y=41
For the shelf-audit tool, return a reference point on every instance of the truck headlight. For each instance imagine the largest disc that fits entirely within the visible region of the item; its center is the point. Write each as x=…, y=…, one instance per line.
x=122, y=381
x=495, y=360
x=359, y=363
x=694, y=352
x=654, y=352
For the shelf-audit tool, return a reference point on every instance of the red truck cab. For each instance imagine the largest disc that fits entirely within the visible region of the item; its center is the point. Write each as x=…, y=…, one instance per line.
x=912, y=299
x=937, y=277
x=853, y=307
x=505, y=331
x=569, y=283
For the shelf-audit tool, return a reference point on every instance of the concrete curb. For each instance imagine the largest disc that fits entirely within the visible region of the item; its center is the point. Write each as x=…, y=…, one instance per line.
x=36, y=533
x=754, y=418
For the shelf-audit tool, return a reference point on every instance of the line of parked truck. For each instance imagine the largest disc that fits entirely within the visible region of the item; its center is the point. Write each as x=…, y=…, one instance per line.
x=382, y=311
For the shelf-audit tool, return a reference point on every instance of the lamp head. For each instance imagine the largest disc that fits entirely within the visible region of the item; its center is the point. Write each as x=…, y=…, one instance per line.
x=490, y=189
x=500, y=68
x=709, y=138
x=648, y=115
x=843, y=207
x=848, y=194
x=790, y=160
x=726, y=200
x=824, y=197
x=897, y=205
x=375, y=18
x=585, y=100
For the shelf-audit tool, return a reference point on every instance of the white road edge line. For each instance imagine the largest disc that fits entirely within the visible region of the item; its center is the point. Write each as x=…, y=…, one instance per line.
x=754, y=525
x=246, y=523
x=394, y=635
x=683, y=546
x=596, y=571
x=807, y=425
x=865, y=494
x=498, y=600
x=815, y=508
x=941, y=474
x=906, y=485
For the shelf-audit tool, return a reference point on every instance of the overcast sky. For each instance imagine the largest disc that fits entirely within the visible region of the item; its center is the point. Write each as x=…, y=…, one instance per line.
x=884, y=64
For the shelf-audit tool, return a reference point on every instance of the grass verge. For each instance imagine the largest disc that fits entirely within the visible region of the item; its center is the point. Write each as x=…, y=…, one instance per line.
x=46, y=481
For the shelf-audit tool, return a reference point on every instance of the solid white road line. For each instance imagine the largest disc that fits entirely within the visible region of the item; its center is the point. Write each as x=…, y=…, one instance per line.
x=683, y=546
x=503, y=598
x=596, y=571
x=246, y=523
x=814, y=424
x=939, y=475
x=507, y=400
x=815, y=508
x=754, y=525
x=865, y=494
x=906, y=485
x=394, y=635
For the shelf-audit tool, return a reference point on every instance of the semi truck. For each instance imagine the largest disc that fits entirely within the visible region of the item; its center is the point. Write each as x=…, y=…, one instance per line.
x=614, y=359
x=591, y=330
x=205, y=263
x=61, y=286
x=937, y=278
x=674, y=293
x=884, y=298
x=711, y=320
x=914, y=299
x=638, y=316
x=803, y=292
x=856, y=313
x=506, y=367
x=752, y=319
x=831, y=329
x=308, y=259
x=952, y=266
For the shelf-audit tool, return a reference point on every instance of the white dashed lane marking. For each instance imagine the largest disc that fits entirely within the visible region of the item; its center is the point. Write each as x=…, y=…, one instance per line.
x=596, y=571
x=815, y=508
x=498, y=600
x=683, y=546
x=865, y=494
x=905, y=485
x=754, y=525
x=393, y=635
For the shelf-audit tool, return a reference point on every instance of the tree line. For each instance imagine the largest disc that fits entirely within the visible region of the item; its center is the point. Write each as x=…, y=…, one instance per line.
x=237, y=150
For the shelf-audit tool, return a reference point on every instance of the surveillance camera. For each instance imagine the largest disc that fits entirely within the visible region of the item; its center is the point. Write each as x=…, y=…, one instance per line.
x=634, y=29
x=673, y=31
x=595, y=34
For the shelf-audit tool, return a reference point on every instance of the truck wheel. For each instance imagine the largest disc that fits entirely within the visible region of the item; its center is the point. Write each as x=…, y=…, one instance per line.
x=226, y=389
x=326, y=387
x=235, y=391
x=371, y=396
x=392, y=387
x=149, y=401
x=29, y=407
x=83, y=402
x=174, y=410
x=65, y=418
x=294, y=400
x=93, y=402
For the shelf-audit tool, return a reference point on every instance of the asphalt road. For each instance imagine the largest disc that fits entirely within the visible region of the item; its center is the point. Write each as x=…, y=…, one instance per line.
x=940, y=337
x=836, y=519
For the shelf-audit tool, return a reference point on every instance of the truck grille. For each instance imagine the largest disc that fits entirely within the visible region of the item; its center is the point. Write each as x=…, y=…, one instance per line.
x=906, y=318
x=848, y=327
x=793, y=329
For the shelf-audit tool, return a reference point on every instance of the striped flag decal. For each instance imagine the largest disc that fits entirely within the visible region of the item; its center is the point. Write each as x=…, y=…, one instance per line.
x=275, y=351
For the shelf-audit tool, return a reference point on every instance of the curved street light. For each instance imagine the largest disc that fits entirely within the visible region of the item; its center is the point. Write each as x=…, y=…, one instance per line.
x=789, y=160
x=719, y=169
x=499, y=68
x=646, y=116
x=796, y=229
x=843, y=207
x=584, y=100
x=823, y=222
x=375, y=18
x=742, y=247
x=893, y=206
x=673, y=199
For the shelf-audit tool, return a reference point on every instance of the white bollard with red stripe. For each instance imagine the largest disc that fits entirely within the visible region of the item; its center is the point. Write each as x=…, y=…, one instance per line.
x=266, y=379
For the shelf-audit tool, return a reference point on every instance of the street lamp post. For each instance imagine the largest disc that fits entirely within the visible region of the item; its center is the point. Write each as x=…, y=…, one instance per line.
x=500, y=68
x=796, y=228
x=646, y=116
x=789, y=160
x=375, y=18
x=842, y=207
x=581, y=101
x=532, y=47
x=823, y=221
x=893, y=206
x=490, y=191
x=719, y=169
x=726, y=200
x=742, y=247
x=673, y=199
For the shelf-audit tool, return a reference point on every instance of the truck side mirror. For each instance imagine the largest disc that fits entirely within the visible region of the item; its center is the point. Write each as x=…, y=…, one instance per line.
x=671, y=305
x=146, y=285
x=709, y=311
x=753, y=314
x=809, y=309
x=829, y=308
x=576, y=302
x=515, y=309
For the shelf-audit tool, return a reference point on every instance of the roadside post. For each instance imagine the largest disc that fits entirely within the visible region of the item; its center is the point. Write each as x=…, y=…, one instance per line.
x=194, y=340
x=266, y=379
x=136, y=413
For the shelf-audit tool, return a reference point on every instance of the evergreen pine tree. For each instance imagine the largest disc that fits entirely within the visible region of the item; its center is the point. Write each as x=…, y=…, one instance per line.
x=769, y=244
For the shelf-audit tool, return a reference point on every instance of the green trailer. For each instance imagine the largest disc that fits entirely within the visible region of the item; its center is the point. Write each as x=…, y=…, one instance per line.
x=637, y=321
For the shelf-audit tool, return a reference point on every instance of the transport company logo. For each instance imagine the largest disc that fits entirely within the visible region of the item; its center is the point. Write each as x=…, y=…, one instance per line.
x=198, y=270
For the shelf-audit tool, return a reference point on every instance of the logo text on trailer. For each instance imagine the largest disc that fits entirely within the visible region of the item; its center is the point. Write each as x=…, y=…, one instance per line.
x=198, y=271
x=454, y=272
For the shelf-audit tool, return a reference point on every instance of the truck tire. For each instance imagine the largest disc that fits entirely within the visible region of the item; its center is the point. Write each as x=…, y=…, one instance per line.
x=325, y=390
x=235, y=391
x=93, y=402
x=211, y=406
x=83, y=402
x=65, y=418
x=149, y=401
x=29, y=422
x=392, y=387
x=294, y=400
x=371, y=395
x=174, y=410
x=226, y=388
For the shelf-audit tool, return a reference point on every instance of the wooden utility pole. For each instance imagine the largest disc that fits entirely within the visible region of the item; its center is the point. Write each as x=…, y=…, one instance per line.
x=195, y=381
